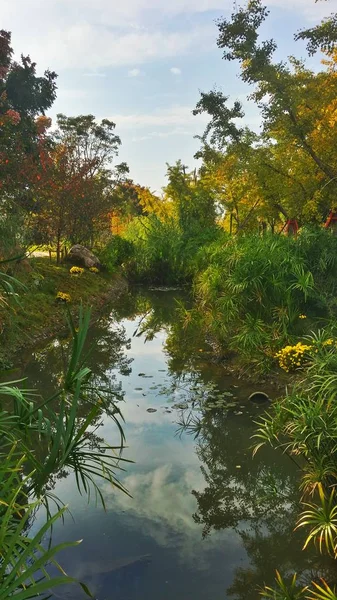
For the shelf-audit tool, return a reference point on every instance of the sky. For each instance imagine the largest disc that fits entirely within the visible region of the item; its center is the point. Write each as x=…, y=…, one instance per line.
x=143, y=63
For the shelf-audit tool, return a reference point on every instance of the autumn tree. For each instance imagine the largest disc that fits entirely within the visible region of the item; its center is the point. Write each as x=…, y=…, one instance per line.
x=23, y=97
x=77, y=190
x=296, y=165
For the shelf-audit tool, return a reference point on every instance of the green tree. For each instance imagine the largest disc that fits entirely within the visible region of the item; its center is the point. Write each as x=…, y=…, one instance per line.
x=297, y=108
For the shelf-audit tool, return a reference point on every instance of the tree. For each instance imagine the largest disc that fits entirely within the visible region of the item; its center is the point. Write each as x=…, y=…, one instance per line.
x=192, y=200
x=23, y=97
x=76, y=193
x=298, y=109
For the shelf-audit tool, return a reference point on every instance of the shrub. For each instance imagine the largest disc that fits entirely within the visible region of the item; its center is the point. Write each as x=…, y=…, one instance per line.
x=117, y=251
x=163, y=252
x=257, y=294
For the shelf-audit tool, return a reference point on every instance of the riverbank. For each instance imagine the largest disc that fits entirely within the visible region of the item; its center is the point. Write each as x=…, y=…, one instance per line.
x=37, y=316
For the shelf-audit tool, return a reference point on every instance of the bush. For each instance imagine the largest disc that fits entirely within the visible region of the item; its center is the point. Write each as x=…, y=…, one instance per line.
x=164, y=253
x=117, y=251
x=253, y=292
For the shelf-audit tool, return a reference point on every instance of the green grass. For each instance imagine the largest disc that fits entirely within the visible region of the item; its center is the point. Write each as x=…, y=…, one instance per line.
x=38, y=315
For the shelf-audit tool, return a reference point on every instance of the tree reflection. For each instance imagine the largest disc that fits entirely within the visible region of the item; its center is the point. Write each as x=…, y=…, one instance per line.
x=104, y=355
x=258, y=498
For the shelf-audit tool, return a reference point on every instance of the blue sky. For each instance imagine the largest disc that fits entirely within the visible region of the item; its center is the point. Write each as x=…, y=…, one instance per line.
x=142, y=63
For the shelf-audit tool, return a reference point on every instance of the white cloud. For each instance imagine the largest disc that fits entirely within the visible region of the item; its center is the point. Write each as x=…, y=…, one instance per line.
x=92, y=35
x=175, y=71
x=178, y=116
x=67, y=47
x=94, y=74
x=161, y=134
x=134, y=72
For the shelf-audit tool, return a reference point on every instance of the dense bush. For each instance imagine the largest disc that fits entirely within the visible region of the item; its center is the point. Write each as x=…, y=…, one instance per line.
x=257, y=293
x=163, y=252
x=117, y=251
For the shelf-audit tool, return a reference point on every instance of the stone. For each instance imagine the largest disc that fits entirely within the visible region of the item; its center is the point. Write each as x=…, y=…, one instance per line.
x=82, y=257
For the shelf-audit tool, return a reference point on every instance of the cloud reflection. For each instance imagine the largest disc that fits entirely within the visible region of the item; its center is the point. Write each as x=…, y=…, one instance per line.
x=162, y=507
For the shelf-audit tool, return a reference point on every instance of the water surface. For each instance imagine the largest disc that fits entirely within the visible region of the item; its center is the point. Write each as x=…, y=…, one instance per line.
x=205, y=520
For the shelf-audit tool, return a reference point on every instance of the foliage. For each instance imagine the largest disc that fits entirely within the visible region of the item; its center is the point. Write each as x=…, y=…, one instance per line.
x=323, y=522
x=304, y=424
x=117, y=251
x=289, y=169
x=23, y=96
x=252, y=291
x=283, y=591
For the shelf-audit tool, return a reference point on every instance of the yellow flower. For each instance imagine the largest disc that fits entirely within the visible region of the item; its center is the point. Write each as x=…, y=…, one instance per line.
x=328, y=342
x=63, y=297
x=76, y=271
x=302, y=316
x=93, y=270
x=291, y=357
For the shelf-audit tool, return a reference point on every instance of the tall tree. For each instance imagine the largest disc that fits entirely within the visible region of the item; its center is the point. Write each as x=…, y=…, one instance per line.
x=298, y=109
x=23, y=96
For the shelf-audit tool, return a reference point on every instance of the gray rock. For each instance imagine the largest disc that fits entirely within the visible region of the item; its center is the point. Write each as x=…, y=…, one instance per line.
x=82, y=257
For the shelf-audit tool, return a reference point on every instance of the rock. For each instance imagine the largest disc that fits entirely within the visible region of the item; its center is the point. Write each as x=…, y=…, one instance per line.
x=82, y=257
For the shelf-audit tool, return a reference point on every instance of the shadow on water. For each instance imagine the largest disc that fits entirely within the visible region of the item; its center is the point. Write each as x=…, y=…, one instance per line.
x=205, y=520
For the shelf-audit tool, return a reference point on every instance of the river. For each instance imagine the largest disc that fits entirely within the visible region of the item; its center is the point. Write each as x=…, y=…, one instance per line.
x=205, y=520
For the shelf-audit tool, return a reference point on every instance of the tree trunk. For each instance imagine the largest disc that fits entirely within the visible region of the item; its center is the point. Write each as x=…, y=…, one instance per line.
x=58, y=248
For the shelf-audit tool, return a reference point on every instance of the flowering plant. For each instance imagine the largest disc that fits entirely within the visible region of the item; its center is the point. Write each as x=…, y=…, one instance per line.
x=63, y=297
x=76, y=271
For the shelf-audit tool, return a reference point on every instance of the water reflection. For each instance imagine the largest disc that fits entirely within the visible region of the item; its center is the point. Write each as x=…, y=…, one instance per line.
x=205, y=520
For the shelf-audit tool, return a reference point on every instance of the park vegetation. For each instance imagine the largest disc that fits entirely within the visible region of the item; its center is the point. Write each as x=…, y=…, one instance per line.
x=251, y=234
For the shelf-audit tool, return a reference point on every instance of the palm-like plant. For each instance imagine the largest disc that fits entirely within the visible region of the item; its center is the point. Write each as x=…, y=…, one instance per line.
x=284, y=591
x=323, y=522
x=322, y=592
x=292, y=591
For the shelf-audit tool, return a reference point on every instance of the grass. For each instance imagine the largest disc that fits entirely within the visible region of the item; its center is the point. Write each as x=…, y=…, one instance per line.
x=38, y=316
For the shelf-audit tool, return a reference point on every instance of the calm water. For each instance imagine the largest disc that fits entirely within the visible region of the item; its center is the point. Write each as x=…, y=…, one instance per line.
x=205, y=521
